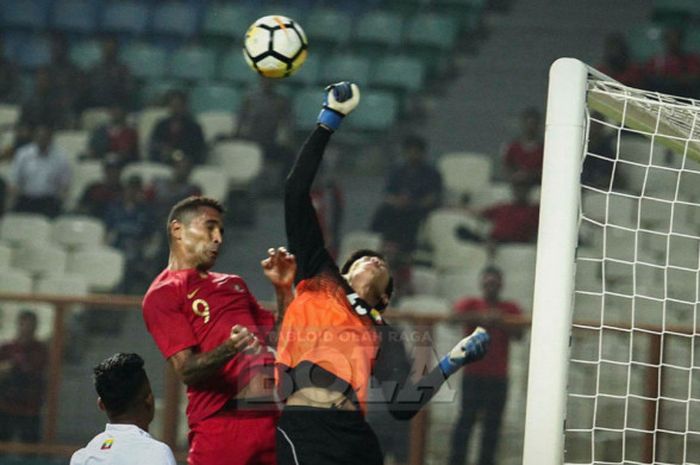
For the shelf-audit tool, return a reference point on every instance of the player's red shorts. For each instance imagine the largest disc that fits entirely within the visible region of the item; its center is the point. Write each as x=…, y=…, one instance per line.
x=234, y=437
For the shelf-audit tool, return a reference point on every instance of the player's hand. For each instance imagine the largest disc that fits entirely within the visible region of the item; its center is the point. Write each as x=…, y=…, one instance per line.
x=469, y=349
x=242, y=340
x=280, y=267
x=340, y=99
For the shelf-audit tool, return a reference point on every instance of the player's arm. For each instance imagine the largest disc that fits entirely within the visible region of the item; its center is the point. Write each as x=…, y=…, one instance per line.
x=280, y=268
x=304, y=235
x=404, y=397
x=196, y=368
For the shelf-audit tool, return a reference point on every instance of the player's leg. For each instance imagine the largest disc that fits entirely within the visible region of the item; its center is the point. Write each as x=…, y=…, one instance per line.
x=469, y=409
x=495, y=394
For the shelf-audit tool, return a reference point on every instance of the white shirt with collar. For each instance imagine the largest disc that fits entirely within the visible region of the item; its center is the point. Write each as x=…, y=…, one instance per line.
x=122, y=444
x=37, y=175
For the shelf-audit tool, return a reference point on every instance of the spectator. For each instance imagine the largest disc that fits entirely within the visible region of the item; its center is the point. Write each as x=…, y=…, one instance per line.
x=40, y=175
x=110, y=81
x=45, y=103
x=600, y=158
x=485, y=383
x=117, y=136
x=23, y=363
x=23, y=135
x=99, y=196
x=129, y=226
x=67, y=79
x=178, y=131
x=168, y=191
x=617, y=63
x=515, y=221
x=674, y=71
x=413, y=189
x=524, y=154
x=9, y=78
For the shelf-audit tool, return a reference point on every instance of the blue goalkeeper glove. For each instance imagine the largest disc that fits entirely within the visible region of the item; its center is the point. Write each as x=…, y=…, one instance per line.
x=469, y=349
x=340, y=99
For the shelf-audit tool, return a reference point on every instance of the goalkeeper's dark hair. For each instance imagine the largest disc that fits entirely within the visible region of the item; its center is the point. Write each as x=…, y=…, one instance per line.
x=120, y=381
x=358, y=254
x=186, y=208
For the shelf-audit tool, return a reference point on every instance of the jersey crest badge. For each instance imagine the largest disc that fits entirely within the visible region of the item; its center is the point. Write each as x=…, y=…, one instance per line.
x=107, y=444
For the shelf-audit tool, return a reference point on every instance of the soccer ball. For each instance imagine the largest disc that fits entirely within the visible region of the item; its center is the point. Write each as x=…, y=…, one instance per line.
x=275, y=46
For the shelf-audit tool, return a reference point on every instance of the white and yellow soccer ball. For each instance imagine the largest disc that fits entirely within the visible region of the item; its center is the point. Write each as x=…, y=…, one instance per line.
x=275, y=46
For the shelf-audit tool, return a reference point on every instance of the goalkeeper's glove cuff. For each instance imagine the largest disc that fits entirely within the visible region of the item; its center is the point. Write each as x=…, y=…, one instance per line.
x=469, y=349
x=330, y=118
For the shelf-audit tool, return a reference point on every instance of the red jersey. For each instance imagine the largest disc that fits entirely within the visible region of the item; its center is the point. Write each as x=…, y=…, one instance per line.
x=524, y=157
x=22, y=390
x=495, y=363
x=674, y=66
x=184, y=310
x=513, y=222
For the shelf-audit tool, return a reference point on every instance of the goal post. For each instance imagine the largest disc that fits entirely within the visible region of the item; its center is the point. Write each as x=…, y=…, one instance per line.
x=614, y=368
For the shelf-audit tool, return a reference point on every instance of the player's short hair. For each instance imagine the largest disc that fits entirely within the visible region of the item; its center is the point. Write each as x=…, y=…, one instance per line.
x=120, y=381
x=358, y=254
x=185, y=208
x=28, y=315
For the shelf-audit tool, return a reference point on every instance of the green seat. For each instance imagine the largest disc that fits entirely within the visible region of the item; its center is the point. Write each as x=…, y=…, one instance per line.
x=154, y=93
x=308, y=74
x=215, y=97
x=306, y=107
x=399, y=72
x=86, y=54
x=675, y=11
x=377, y=112
x=227, y=20
x=145, y=61
x=645, y=42
x=325, y=26
x=233, y=67
x=382, y=28
x=692, y=40
x=193, y=63
x=281, y=9
x=433, y=31
x=345, y=68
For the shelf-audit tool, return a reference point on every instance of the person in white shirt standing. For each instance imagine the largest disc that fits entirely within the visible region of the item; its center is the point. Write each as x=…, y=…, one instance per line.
x=40, y=175
x=125, y=396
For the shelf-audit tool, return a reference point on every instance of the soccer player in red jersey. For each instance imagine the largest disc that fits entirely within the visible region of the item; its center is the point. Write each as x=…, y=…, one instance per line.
x=214, y=333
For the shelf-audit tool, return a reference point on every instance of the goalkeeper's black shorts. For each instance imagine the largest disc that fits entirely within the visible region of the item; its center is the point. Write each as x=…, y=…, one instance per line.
x=319, y=436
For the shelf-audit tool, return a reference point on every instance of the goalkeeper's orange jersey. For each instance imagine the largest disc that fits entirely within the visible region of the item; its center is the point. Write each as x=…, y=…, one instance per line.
x=321, y=328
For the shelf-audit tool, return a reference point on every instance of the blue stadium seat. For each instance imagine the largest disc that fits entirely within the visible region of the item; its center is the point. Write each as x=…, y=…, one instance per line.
x=432, y=30
x=381, y=28
x=154, y=92
x=377, y=112
x=227, y=20
x=645, y=41
x=233, y=67
x=306, y=106
x=86, y=54
x=25, y=14
x=345, y=67
x=79, y=16
x=215, y=97
x=144, y=61
x=193, y=63
x=329, y=27
x=175, y=19
x=309, y=72
x=33, y=53
x=125, y=16
x=399, y=72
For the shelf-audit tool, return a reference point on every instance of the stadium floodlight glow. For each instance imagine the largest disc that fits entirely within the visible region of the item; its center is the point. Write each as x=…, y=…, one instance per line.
x=614, y=372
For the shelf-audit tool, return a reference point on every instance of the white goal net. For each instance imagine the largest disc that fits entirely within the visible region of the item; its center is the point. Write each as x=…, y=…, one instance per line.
x=631, y=375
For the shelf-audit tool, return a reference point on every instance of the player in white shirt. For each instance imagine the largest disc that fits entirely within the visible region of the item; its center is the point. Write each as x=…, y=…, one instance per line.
x=125, y=396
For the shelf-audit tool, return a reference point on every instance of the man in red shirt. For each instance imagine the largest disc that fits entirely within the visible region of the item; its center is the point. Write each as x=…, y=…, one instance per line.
x=213, y=332
x=675, y=70
x=523, y=156
x=484, y=384
x=516, y=221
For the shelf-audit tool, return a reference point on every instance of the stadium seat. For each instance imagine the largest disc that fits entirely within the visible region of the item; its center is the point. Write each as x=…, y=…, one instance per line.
x=355, y=240
x=6, y=253
x=233, y=67
x=464, y=172
x=41, y=259
x=493, y=194
x=86, y=54
x=449, y=251
x=84, y=174
x=73, y=142
x=77, y=231
x=124, y=16
x=306, y=107
x=155, y=91
x=240, y=160
x=379, y=28
x=453, y=285
x=639, y=150
x=216, y=123
x=211, y=180
x=283, y=8
x=93, y=118
x=8, y=116
x=145, y=61
x=148, y=171
x=101, y=267
x=425, y=305
x=15, y=281
x=175, y=19
x=27, y=14
x=399, y=72
x=34, y=53
x=77, y=16
x=66, y=284
x=18, y=228
x=353, y=68
x=675, y=12
x=215, y=97
x=309, y=73
x=148, y=118
x=325, y=27
x=229, y=21
x=645, y=42
x=193, y=64
x=378, y=112
x=519, y=257
x=432, y=30
x=424, y=280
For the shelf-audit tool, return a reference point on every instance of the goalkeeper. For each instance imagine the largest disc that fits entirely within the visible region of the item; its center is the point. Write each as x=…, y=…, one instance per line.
x=333, y=336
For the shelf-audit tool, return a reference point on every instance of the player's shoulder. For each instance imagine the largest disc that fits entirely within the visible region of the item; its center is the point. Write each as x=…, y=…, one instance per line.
x=168, y=284
x=234, y=280
x=467, y=303
x=511, y=307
